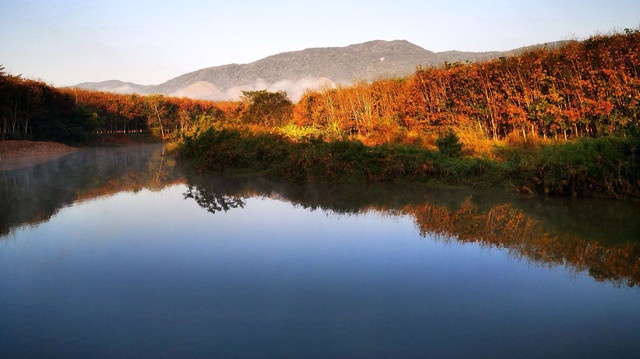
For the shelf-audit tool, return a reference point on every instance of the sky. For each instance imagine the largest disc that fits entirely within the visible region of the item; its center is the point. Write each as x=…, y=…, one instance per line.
x=65, y=42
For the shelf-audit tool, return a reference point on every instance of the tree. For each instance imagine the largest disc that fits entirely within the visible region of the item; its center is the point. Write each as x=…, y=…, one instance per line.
x=157, y=110
x=266, y=108
x=449, y=144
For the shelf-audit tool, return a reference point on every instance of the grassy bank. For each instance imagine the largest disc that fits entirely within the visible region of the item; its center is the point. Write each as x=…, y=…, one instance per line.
x=604, y=167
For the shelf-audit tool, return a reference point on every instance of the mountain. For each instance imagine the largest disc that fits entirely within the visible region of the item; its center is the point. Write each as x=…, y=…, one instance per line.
x=116, y=86
x=296, y=71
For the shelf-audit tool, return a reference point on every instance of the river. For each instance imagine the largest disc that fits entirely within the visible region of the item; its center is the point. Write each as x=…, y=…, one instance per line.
x=121, y=252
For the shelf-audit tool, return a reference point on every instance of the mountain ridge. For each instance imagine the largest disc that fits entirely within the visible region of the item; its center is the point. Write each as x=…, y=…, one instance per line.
x=295, y=71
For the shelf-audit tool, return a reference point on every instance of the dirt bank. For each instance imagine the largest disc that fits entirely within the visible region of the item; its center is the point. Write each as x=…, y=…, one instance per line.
x=16, y=154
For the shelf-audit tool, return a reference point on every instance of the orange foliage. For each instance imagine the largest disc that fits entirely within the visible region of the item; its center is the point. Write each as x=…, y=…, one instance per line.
x=587, y=88
x=170, y=116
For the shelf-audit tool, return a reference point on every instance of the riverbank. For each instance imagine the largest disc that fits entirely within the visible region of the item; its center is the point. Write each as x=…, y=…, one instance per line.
x=604, y=167
x=19, y=149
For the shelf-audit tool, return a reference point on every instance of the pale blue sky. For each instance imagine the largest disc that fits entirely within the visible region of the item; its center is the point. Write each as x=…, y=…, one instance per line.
x=64, y=42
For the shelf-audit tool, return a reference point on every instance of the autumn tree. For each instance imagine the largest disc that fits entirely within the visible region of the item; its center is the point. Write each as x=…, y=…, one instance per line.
x=158, y=111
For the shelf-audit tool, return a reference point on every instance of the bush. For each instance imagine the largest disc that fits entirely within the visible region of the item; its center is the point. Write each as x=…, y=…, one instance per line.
x=449, y=144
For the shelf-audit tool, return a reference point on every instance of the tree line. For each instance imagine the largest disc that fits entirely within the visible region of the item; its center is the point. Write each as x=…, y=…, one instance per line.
x=31, y=109
x=168, y=118
x=34, y=110
x=582, y=89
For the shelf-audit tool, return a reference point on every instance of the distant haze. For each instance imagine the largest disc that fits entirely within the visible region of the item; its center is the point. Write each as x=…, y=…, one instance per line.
x=296, y=71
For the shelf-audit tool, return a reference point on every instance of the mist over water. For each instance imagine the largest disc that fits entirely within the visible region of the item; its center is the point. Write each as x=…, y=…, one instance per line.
x=122, y=252
x=35, y=191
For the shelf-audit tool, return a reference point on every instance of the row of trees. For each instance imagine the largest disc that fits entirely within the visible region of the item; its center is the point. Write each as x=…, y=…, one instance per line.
x=587, y=88
x=172, y=118
x=168, y=118
x=33, y=110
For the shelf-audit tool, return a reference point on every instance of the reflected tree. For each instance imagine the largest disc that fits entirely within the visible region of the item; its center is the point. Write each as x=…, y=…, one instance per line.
x=524, y=236
x=213, y=201
x=32, y=194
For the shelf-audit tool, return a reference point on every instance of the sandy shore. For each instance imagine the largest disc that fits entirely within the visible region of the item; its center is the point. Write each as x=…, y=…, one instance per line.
x=17, y=154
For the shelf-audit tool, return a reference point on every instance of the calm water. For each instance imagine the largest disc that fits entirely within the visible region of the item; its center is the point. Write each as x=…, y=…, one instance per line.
x=119, y=253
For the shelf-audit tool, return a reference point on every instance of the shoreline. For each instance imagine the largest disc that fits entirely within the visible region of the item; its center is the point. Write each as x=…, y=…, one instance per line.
x=18, y=154
x=582, y=168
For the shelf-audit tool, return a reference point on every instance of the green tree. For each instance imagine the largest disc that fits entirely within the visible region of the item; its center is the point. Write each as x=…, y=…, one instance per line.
x=449, y=144
x=266, y=108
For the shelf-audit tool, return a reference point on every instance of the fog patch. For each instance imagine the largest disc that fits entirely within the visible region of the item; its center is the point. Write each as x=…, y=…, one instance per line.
x=201, y=90
x=124, y=89
x=294, y=88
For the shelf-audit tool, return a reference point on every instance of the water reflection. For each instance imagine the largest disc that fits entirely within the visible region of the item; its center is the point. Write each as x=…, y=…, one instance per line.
x=525, y=236
x=527, y=228
x=31, y=195
x=213, y=202
x=597, y=237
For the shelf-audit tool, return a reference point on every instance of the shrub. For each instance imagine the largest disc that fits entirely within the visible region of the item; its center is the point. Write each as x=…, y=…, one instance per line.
x=449, y=144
